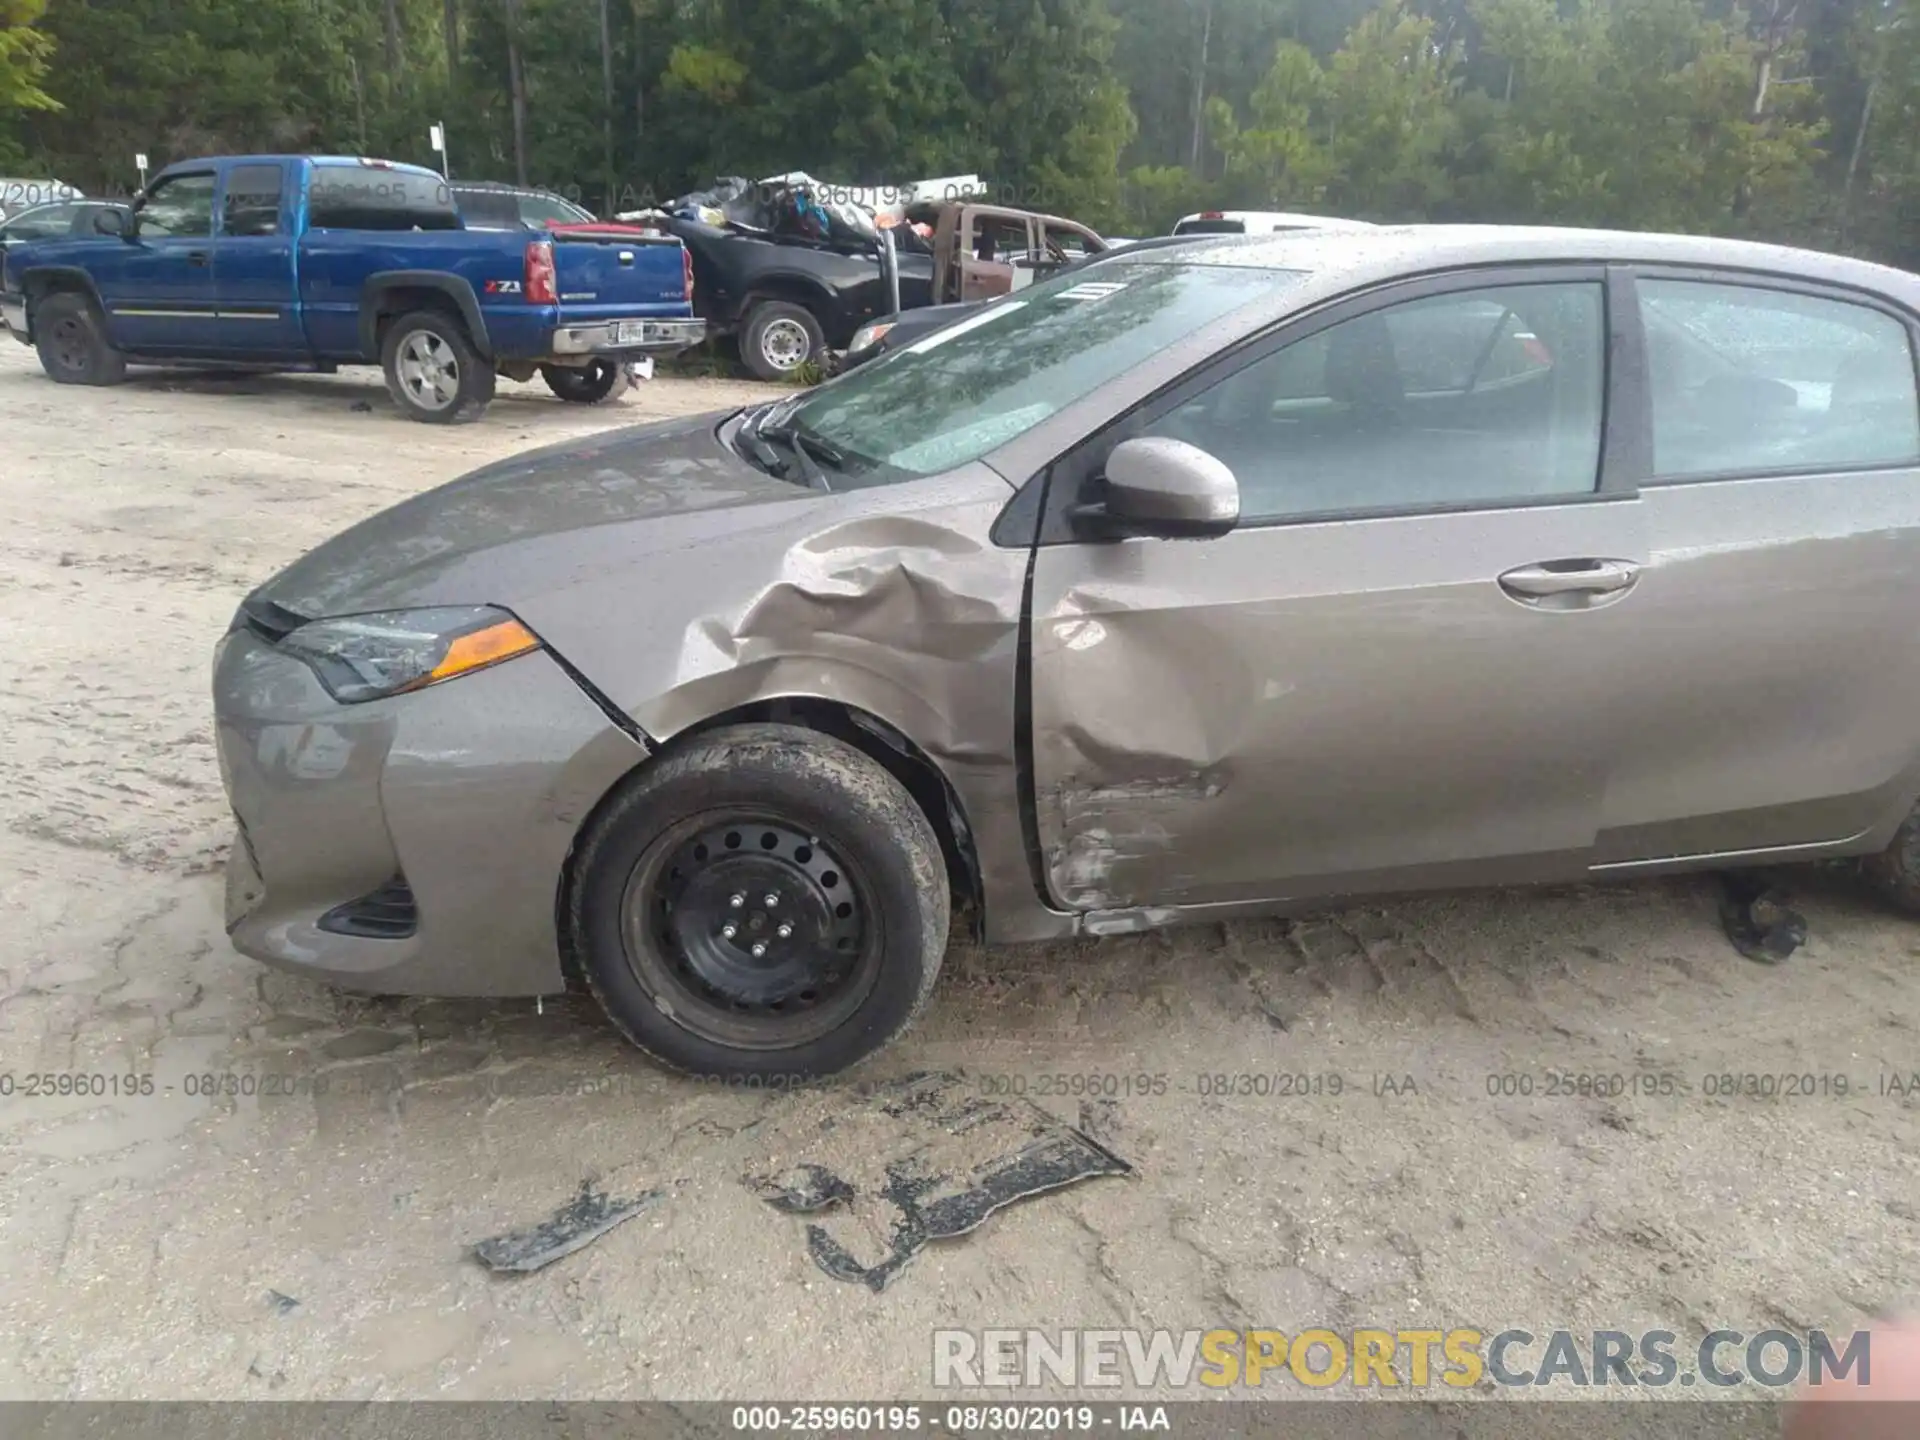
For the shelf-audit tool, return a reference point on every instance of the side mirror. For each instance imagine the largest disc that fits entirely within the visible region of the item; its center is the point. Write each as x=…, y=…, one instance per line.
x=1160, y=486
x=114, y=222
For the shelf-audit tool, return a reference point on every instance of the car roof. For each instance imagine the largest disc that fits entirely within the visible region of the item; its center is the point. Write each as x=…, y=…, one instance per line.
x=1388, y=251
x=372, y=162
x=1278, y=217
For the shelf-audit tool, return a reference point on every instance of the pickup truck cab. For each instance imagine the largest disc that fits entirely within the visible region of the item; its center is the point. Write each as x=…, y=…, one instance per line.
x=310, y=263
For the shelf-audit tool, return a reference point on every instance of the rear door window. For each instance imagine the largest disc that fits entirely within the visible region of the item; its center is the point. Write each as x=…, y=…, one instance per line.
x=1750, y=380
x=251, y=204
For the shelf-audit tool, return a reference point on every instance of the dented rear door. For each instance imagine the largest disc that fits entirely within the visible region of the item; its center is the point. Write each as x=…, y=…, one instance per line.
x=1317, y=705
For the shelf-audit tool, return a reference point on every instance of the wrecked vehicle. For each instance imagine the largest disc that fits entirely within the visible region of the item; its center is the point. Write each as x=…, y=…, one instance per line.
x=795, y=277
x=984, y=251
x=788, y=275
x=1222, y=579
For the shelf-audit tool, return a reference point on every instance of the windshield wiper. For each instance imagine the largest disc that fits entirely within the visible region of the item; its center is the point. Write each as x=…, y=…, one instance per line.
x=758, y=450
x=812, y=451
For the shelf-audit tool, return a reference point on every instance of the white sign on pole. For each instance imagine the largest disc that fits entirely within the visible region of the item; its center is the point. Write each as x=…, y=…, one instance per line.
x=140, y=161
x=438, y=138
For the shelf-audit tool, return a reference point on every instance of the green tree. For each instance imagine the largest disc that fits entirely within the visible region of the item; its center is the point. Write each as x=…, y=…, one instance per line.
x=25, y=51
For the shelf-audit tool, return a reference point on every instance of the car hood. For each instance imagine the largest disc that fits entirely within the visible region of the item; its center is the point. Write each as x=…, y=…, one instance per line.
x=540, y=522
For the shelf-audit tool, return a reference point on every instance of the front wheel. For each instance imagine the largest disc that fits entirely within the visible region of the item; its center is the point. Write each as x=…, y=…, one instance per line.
x=433, y=372
x=586, y=384
x=72, y=342
x=767, y=903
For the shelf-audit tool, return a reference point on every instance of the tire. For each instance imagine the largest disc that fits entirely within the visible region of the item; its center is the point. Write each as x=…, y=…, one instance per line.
x=433, y=372
x=586, y=384
x=682, y=850
x=771, y=340
x=1895, y=872
x=71, y=339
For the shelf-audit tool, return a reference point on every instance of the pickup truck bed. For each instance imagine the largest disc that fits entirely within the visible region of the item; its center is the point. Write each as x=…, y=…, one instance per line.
x=287, y=262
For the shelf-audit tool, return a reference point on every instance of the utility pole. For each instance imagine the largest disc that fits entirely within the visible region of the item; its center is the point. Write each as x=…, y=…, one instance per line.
x=1200, y=87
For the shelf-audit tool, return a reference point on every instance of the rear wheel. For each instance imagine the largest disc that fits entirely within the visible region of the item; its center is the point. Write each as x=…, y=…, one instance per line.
x=778, y=338
x=586, y=384
x=767, y=902
x=71, y=339
x=433, y=372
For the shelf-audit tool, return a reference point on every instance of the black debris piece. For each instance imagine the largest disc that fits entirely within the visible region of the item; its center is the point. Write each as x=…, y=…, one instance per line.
x=925, y=1158
x=361, y=407
x=282, y=1304
x=1757, y=919
x=803, y=1191
x=575, y=1225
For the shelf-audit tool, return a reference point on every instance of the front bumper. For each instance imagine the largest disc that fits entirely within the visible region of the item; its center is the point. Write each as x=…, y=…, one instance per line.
x=467, y=795
x=13, y=316
x=654, y=337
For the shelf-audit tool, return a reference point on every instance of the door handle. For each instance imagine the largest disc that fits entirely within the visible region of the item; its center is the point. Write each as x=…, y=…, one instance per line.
x=198, y=257
x=1569, y=577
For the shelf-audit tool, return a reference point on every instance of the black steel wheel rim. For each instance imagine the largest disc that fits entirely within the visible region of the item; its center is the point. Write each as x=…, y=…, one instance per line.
x=70, y=343
x=751, y=930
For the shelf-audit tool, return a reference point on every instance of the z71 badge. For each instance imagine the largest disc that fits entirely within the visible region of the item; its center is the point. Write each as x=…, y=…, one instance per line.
x=503, y=287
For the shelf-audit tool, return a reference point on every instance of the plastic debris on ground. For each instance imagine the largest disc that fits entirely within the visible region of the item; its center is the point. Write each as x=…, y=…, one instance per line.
x=911, y=1161
x=578, y=1223
x=1757, y=919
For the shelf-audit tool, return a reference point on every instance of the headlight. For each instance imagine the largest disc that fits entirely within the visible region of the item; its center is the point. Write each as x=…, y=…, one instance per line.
x=869, y=335
x=365, y=657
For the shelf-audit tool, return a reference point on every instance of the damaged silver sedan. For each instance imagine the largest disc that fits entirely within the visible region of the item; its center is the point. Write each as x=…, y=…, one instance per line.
x=1223, y=579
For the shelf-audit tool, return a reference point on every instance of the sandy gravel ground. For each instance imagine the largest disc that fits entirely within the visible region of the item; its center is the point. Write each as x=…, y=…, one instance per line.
x=142, y=1235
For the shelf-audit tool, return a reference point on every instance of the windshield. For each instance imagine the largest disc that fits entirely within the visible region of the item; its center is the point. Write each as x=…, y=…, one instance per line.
x=972, y=386
x=1211, y=227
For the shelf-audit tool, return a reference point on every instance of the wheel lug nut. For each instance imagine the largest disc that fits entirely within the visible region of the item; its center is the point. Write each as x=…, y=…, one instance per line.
x=759, y=948
x=727, y=932
x=772, y=901
x=737, y=901
x=784, y=931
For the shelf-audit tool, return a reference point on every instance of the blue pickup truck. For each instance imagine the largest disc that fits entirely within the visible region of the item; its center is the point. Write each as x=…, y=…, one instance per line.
x=309, y=263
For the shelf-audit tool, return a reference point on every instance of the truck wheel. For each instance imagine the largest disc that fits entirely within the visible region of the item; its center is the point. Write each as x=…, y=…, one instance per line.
x=433, y=372
x=72, y=342
x=586, y=384
x=766, y=902
x=780, y=337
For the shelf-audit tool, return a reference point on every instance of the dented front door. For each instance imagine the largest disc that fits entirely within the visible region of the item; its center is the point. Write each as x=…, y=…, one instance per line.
x=1313, y=710
x=1402, y=668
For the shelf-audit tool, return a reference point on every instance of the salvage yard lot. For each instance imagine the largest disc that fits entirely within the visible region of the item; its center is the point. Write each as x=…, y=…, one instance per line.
x=1376, y=1157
